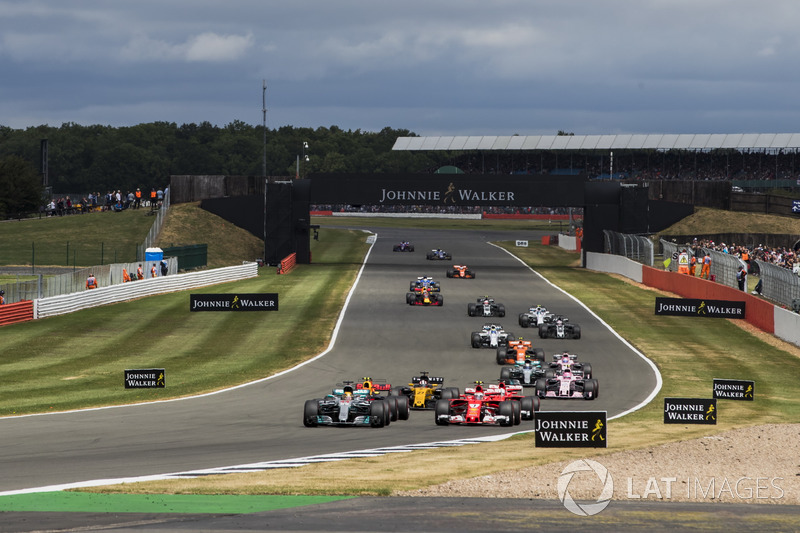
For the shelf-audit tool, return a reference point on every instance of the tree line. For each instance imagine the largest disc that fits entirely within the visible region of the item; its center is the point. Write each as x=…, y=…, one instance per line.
x=83, y=159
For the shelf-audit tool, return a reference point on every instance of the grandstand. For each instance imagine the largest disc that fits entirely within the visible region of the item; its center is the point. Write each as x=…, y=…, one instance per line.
x=757, y=161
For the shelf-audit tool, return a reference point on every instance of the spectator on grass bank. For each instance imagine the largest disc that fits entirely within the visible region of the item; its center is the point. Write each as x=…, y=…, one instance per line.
x=741, y=278
x=91, y=282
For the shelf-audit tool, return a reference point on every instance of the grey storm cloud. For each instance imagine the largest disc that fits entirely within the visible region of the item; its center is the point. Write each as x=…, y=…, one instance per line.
x=449, y=67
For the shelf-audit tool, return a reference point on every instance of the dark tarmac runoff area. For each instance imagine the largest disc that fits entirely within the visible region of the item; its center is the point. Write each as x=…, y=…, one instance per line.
x=442, y=515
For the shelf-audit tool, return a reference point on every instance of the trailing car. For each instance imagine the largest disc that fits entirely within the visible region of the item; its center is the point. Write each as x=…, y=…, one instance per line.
x=567, y=385
x=568, y=361
x=475, y=407
x=424, y=297
x=404, y=246
x=559, y=328
x=424, y=391
x=460, y=271
x=425, y=282
x=439, y=254
x=486, y=306
x=346, y=407
x=491, y=336
x=535, y=316
x=516, y=351
x=524, y=374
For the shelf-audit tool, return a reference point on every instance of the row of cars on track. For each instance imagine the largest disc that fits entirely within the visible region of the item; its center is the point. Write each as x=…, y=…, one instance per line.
x=374, y=403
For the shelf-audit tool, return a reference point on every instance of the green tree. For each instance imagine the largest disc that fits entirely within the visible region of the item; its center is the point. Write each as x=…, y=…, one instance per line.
x=20, y=187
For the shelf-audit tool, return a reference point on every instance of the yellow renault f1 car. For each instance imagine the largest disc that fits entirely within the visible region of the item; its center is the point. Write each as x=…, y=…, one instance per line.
x=424, y=391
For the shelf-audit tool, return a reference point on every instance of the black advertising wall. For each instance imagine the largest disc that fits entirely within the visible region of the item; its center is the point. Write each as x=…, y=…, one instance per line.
x=448, y=190
x=246, y=212
x=281, y=216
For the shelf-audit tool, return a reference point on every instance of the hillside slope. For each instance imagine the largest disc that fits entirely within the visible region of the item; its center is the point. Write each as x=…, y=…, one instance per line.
x=227, y=244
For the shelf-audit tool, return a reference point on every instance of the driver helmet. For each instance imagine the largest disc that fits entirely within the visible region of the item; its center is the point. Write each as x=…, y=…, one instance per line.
x=493, y=328
x=348, y=392
x=479, y=395
x=567, y=373
x=528, y=363
x=565, y=358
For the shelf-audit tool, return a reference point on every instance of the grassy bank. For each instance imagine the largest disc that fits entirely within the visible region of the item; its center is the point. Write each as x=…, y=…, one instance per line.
x=76, y=360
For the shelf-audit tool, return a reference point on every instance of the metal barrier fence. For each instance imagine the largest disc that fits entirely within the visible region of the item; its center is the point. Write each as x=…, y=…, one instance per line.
x=75, y=281
x=155, y=229
x=723, y=266
x=779, y=284
x=634, y=247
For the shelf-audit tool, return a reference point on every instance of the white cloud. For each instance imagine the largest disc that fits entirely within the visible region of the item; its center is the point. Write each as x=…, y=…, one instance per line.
x=206, y=47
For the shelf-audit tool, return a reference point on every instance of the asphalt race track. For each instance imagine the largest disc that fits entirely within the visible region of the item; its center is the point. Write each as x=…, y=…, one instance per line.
x=381, y=336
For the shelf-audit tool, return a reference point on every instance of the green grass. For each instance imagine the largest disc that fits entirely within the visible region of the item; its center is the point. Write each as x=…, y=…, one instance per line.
x=75, y=240
x=77, y=360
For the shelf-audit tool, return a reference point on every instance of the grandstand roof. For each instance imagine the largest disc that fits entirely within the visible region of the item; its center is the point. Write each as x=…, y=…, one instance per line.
x=656, y=141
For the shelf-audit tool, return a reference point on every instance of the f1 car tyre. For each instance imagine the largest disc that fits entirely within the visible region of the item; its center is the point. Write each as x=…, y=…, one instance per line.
x=451, y=273
x=506, y=409
x=536, y=404
x=501, y=357
x=475, y=340
x=541, y=388
x=549, y=373
x=524, y=320
x=527, y=404
x=439, y=299
x=410, y=298
x=539, y=354
x=454, y=391
x=596, y=388
x=396, y=391
x=501, y=310
x=472, y=309
x=402, y=407
x=505, y=373
x=542, y=331
x=447, y=394
x=442, y=410
x=310, y=412
x=377, y=414
x=576, y=332
x=587, y=371
x=391, y=403
x=588, y=389
x=517, y=412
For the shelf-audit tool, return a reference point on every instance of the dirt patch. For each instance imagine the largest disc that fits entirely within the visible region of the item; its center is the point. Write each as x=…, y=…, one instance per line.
x=757, y=464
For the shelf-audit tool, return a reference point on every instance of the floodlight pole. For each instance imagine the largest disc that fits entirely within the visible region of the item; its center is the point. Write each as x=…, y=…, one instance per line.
x=264, y=123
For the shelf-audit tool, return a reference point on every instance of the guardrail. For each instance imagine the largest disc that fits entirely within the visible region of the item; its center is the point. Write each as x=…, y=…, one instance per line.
x=68, y=303
x=287, y=263
x=16, y=312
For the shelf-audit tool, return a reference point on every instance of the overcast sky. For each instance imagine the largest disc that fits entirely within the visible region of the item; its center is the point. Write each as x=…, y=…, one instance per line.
x=438, y=67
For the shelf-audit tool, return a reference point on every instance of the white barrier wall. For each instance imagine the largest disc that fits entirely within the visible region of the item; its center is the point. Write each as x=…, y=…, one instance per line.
x=615, y=264
x=567, y=242
x=787, y=325
x=68, y=303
